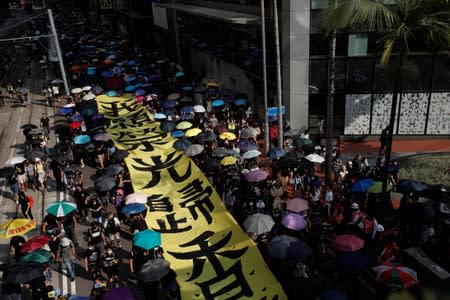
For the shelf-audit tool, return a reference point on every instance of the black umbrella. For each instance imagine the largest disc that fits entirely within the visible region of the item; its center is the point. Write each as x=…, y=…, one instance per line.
x=287, y=162
x=208, y=136
x=120, y=155
x=181, y=144
x=24, y=272
x=63, y=129
x=302, y=252
x=34, y=153
x=104, y=183
x=61, y=156
x=154, y=270
x=407, y=186
x=28, y=126
x=113, y=170
x=436, y=192
x=7, y=171
x=167, y=125
x=212, y=165
x=222, y=152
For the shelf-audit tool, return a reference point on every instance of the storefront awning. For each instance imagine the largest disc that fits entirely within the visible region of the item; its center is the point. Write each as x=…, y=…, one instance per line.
x=220, y=14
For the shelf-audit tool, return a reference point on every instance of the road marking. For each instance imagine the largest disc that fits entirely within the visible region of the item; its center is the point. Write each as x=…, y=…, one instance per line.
x=64, y=280
x=73, y=287
x=3, y=188
x=12, y=150
x=18, y=123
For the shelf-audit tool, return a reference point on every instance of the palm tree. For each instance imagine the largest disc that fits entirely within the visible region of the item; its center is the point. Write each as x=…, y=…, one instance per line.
x=398, y=22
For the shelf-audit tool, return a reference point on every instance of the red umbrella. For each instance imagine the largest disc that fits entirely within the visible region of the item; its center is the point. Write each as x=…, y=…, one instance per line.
x=34, y=243
x=75, y=125
x=348, y=243
x=297, y=205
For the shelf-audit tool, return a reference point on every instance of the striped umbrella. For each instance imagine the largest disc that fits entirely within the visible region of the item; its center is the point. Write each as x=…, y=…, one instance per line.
x=61, y=208
x=395, y=275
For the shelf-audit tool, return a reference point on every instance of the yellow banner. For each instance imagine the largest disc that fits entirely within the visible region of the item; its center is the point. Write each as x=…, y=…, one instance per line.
x=105, y=4
x=212, y=256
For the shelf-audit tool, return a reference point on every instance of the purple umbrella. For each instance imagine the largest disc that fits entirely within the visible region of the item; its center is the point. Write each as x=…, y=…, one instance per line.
x=169, y=103
x=256, y=175
x=139, y=92
x=120, y=294
x=294, y=222
x=97, y=117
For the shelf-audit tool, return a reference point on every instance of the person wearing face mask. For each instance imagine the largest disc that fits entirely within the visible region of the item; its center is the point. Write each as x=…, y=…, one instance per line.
x=110, y=266
x=92, y=260
x=67, y=254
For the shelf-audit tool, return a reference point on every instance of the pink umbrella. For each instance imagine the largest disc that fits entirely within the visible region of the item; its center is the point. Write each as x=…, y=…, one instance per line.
x=294, y=222
x=297, y=205
x=256, y=175
x=348, y=243
x=136, y=198
x=140, y=99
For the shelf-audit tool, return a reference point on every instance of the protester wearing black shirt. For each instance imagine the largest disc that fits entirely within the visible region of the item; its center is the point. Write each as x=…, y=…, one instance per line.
x=25, y=205
x=92, y=260
x=80, y=197
x=69, y=223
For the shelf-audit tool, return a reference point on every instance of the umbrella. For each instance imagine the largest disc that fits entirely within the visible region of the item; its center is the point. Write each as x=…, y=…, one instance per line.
x=222, y=152
x=28, y=126
x=113, y=170
x=199, y=109
x=258, y=223
x=136, y=198
x=187, y=88
x=24, y=272
x=57, y=81
x=16, y=227
x=179, y=74
x=184, y=125
x=123, y=293
x=193, y=132
x=229, y=160
x=61, y=208
x=352, y=261
x=39, y=256
x=35, y=131
x=187, y=110
x=106, y=74
x=279, y=246
x=167, y=125
x=159, y=116
x=292, y=132
x=294, y=222
x=436, y=192
x=169, y=103
x=377, y=187
x=251, y=154
x=147, y=239
x=240, y=102
x=102, y=137
x=361, y=186
x=395, y=275
x=217, y=103
x=104, y=183
x=153, y=270
x=303, y=142
x=130, y=78
x=177, y=133
x=89, y=109
x=34, y=153
x=75, y=125
x=120, y=155
x=130, y=88
x=77, y=90
x=97, y=90
x=34, y=243
x=248, y=133
x=256, y=175
x=7, y=172
x=112, y=94
x=133, y=208
x=139, y=92
x=297, y=205
x=15, y=160
x=227, y=136
x=275, y=153
x=348, y=243
x=97, y=117
x=63, y=129
x=81, y=139
x=247, y=145
x=212, y=165
x=173, y=96
x=407, y=186
x=301, y=251
x=65, y=111
x=181, y=144
x=315, y=158
x=206, y=137
x=86, y=88
x=89, y=96
x=194, y=149
x=76, y=118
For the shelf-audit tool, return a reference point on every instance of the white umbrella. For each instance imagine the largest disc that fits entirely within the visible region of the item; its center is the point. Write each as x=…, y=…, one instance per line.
x=251, y=154
x=89, y=96
x=259, y=223
x=315, y=158
x=87, y=88
x=199, y=109
x=173, y=96
x=69, y=105
x=77, y=90
x=15, y=160
x=194, y=150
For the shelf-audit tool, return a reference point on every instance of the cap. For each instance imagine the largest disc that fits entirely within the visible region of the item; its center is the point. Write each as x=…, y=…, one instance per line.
x=37, y=159
x=355, y=205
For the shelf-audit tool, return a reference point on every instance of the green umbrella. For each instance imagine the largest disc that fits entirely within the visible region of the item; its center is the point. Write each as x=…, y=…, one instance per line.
x=377, y=187
x=39, y=256
x=61, y=208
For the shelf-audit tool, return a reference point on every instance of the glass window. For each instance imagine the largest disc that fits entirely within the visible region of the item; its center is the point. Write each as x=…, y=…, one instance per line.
x=315, y=22
x=357, y=44
x=340, y=74
x=360, y=74
x=417, y=74
x=385, y=75
x=441, y=79
x=318, y=4
x=318, y=76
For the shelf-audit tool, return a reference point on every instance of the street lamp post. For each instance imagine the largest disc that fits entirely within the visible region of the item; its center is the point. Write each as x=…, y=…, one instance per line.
x=264, y=57
x=280, y=98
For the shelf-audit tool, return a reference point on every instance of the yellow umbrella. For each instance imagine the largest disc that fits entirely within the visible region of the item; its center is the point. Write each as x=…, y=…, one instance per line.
x=192, y=132
x=227, y=135
x=184, y=125
x=16, y=227
x=229, y=160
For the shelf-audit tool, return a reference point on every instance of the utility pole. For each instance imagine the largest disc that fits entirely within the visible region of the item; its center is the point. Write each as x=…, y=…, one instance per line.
x=264, y=57
x=58, y=52
x=280, y=98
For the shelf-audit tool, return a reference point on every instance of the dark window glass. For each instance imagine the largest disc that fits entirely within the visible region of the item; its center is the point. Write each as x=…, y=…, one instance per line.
x=318, y=76
x=360, y=75
x=385, y=75
x=441, y=80
x=417, y=73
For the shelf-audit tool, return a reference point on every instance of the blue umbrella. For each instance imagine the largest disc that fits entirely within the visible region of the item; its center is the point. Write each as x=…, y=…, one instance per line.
x=111, y=94
x=169, y=103
x=133, y=208
x=362, y=185
x=187, y=88
x=187, y=117
x=217, y=103
x=76, y=118
x=187, y=109
x=139, y=92
x=240, y=102
x=81, y=139
x=130, y=88
x=182, y=144
x=178, y=133
x=153, y=78
x=106, y=74
x=179, y=74
x=275, y=153
x=132, y=63
x=92, y=68
x=168, y=112
x=247, y=145
x=407, y=186
x=147, y=239
x=90, y=72
x=129, y=78
x=89, y=109
x=65, y=111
